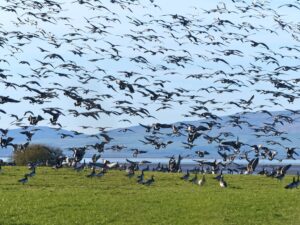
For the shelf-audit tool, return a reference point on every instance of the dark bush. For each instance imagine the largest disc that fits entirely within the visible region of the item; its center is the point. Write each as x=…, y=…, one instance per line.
x=37, y=153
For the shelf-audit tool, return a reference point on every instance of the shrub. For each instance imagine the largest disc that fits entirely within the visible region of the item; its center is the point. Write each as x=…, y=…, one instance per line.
x=37, y=153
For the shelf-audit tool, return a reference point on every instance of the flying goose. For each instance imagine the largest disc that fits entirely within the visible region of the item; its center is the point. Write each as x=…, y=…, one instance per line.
x=252, y=165
x=281, y=171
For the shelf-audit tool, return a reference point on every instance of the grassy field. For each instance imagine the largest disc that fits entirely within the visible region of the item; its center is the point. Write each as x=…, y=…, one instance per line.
x=68, y=197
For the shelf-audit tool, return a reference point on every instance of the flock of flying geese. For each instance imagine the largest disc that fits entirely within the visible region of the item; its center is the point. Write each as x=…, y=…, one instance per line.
x=113, y=64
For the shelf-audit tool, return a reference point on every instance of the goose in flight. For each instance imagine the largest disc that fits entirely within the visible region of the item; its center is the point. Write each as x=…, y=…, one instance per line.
x=6, y=99
x=252, y=165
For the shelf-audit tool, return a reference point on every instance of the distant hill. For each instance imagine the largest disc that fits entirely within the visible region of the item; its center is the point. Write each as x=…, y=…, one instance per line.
x=132, y=139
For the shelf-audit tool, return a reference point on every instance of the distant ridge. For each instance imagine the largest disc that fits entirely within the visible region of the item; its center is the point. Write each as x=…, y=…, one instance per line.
x=131, y=139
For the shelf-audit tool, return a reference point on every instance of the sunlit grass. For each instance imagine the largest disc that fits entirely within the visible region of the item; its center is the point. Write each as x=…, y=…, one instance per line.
x=68, y=197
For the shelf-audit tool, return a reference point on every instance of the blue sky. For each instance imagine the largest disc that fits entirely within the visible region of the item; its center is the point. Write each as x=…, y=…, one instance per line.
x=118, y=34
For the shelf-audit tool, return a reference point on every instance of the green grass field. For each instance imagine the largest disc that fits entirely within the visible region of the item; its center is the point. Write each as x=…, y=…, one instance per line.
x=68, y=197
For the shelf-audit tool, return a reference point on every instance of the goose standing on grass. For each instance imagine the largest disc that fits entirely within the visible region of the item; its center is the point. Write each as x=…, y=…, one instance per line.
x=292, y=185
x=24, y=180
x=223, y=183
x=32, y=166
x=218, y=177
x=93, y=173
x=101, y=173
x=149, y=181
x=295, y=183
x=185, y=176
x=130, y=173
x=202, y=181
x=194, y=179
x=140, y=178
x=32, y=173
